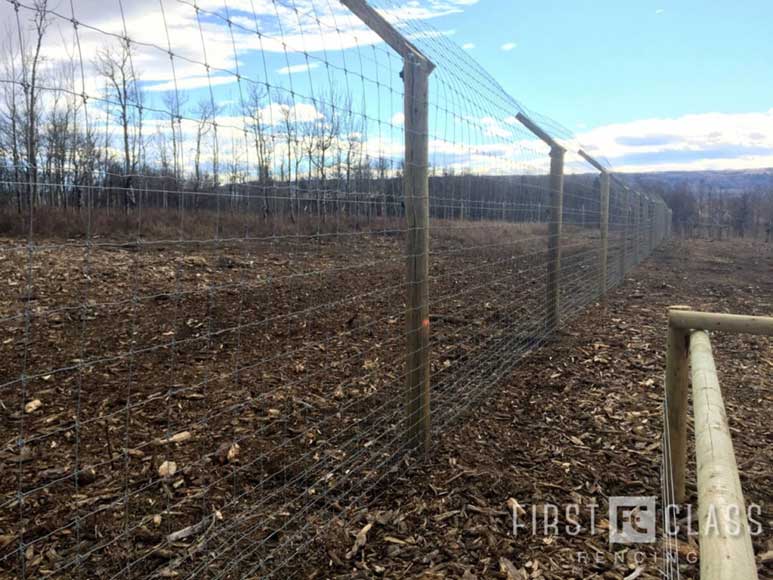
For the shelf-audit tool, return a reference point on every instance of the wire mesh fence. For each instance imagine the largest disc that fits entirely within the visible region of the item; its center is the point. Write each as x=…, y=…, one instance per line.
x=204, y=259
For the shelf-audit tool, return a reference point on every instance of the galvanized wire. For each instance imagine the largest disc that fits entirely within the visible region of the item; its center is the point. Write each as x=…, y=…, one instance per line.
x=203, y=336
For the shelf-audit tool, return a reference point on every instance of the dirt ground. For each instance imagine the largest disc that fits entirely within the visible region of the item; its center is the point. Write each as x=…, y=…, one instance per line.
x=215, y=410
x=577, y=422
x=230, y=389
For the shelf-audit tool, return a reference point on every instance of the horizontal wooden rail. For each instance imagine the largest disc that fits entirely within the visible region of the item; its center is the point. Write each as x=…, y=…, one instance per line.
x=725, y=543
x=690, y=320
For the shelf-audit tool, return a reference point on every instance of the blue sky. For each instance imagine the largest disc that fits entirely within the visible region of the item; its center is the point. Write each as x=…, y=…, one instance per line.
x=649, y=85
x=591, y=63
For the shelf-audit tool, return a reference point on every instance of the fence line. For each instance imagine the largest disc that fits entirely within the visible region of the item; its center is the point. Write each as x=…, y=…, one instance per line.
x=254, y=257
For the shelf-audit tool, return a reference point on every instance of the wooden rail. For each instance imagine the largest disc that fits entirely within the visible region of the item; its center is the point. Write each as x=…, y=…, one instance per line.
x=725, y=542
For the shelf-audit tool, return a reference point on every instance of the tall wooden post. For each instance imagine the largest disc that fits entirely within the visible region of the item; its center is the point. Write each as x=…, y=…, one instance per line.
x=555, y=219
x=651, y=215
x=637, y=228
x=553, y=317
x=604, y=182
x=604, y=234
x=676, y=409
x=625, y=222
x=416, y=77
x=416, y=72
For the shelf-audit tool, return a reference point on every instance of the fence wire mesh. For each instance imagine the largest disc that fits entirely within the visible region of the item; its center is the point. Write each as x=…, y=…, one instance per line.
x=203, y=255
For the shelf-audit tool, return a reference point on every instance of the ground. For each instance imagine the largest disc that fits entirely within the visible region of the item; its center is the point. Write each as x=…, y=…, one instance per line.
x=579, y=420
x=149, y=426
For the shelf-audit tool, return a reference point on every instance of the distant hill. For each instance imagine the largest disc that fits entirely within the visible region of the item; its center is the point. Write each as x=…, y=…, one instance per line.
x=725, y=182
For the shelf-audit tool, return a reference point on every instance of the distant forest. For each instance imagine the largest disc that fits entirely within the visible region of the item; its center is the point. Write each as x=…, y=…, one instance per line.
x=736, y=203
x=113, y=152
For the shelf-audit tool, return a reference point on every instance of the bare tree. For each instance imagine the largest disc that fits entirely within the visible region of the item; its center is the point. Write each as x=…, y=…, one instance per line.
x=10, y=115
x=115, y=66
x=288, y=125
x=31, y=63
x=256, y=105
x=205, y=116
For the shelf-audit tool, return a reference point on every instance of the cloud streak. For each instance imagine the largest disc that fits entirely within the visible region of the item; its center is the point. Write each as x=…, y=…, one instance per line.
x=691, y=142
x=297, y=68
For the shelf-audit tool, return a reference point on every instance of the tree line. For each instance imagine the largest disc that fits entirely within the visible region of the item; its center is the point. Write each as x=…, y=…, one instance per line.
x=123, y=148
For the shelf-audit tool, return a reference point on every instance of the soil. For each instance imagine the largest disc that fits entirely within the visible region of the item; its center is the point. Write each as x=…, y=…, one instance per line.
x=577, y=422
x=231, y=409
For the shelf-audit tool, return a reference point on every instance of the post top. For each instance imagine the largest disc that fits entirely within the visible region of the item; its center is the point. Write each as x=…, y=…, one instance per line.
x=387, y=32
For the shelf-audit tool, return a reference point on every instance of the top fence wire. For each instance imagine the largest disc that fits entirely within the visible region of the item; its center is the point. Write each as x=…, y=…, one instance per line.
x=205, y=236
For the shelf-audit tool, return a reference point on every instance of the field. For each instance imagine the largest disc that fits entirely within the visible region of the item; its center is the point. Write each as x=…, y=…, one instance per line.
x=223, y=407
x=236, y=388
x=579, y=420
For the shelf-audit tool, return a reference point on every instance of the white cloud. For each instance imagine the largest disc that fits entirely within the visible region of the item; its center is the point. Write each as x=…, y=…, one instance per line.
x=398, y=119
x=700, y=141
x=508, y=46
x=659, y=11
x=192, y=82
x=468, y=45
x=297, y=68
x=198, y=42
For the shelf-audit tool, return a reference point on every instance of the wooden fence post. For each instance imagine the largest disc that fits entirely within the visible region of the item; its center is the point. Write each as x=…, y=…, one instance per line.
x=604, y=234
x=604, y=182
x=623, y=217
x=416, y=77
x=637, y=228
x=553, y=318
x=651, y=215
x=676, y=409
x=416, y=72
x=553, y=286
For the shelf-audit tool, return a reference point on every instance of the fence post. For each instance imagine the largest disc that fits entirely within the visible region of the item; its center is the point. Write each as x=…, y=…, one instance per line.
x=553, y=286
x=676, y=408
x=604, y=234
x=651, y=216
x=416, y=78
x=603, y=223
x=623, y=232
x=416, y=71
x=637, y=228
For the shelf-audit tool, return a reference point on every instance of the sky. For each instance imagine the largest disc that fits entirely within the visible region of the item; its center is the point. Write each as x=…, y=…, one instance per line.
x=647, y=85
x=682, y=83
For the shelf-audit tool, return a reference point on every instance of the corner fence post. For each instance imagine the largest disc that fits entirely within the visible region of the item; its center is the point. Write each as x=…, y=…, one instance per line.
x=416, y=79
x=417, y=69
x=676, y=408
